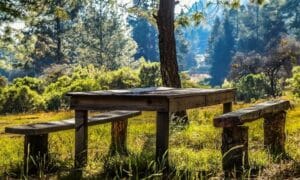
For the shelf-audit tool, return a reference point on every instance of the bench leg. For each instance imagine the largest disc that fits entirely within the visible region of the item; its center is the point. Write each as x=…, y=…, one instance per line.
x=118, y=137
x=235, y=150
x=81, y=138
x=35, y=153
x=274, y=133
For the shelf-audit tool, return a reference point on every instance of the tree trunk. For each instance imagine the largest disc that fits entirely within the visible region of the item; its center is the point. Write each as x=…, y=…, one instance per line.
x=167, y=49
x=58, y=36
x=167, y=44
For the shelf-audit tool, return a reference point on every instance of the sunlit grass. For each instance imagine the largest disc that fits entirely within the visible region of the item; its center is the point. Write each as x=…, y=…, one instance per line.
x=194, y=149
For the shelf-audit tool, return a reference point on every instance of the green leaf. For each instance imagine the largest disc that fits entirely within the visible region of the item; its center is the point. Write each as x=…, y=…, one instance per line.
x=198, y=17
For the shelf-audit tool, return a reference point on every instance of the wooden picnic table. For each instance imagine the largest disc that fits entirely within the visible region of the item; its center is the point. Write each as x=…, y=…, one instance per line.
x=163, y=100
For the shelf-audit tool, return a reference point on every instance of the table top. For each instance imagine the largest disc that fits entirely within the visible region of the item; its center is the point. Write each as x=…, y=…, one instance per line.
x=162, y=99
x=152, y=92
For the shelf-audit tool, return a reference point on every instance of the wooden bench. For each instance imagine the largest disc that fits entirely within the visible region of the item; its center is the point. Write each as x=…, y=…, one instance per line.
x=36, y=135
x=235, y=135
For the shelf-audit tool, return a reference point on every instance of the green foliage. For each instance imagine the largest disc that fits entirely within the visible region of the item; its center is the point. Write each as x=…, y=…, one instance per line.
x=17, y=99
x=251, y=86
x=150, y=74
x=124, y=78
x=294, y=81
x=34, y=84
x=186, y=81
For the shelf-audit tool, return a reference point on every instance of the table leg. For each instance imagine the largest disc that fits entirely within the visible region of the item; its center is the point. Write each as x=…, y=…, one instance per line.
x=227, y=107
x=162, y=137
x=81, y=138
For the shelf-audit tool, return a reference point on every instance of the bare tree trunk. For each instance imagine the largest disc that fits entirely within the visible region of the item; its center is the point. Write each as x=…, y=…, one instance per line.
x=167, y=48
x=58, y=36
x=167, y=44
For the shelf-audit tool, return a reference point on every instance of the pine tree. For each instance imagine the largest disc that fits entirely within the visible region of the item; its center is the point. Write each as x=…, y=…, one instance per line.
x=102, y=36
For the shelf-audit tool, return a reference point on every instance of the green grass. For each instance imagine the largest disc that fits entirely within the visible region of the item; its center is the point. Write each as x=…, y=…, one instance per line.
x=194, y=149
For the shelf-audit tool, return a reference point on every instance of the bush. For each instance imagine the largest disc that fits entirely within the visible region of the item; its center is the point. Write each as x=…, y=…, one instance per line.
x=251, y=86
x=186, y=81
x=150, y=74
x=294, y=81
x=34, y=84
x=124, y=78
x=19, y=99
x=55, y=92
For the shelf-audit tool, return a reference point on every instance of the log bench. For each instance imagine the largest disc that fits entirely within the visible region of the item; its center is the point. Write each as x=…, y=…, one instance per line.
x=235, y=136
x=36, y=135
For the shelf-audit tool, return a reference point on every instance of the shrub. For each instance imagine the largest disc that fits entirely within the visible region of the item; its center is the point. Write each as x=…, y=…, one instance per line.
x=34, y=84
x=150, y=74
x=251, y=86
x=55, y=92
x=294, y=81
x=124, y=78
x=19, y=99
x=186, y=81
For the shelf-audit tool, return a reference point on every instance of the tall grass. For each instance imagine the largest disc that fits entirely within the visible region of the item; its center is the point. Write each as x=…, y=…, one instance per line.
x=194, y=149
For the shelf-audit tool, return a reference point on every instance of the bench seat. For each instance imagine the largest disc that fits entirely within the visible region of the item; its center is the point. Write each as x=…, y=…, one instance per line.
x=54, y=126
x=235, y=135
x=252, y=113
x=36, y=151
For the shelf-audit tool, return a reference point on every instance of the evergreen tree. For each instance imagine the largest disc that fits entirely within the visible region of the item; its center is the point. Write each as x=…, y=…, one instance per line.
x=102, y=36
x=222, y=52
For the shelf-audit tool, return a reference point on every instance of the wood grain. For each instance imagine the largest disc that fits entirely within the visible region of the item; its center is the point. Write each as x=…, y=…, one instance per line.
x=252, y=113
x=54, y=126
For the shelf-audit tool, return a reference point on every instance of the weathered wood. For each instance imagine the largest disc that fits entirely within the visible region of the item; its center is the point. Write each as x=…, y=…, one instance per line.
x=174, y=100
x=54, y=126
x=151, y=92
x=235, y=150
x=81, y=138
x=274, y=133
x=35, y=153
x=120, y=103
x=162, y=137
x=252, y=113
x=118, y=137
x=227, y=107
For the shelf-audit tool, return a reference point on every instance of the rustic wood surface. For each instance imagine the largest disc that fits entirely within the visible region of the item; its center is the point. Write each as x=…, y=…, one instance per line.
x=235, y=150
x=153, y=92
x=35, y=152
x=151, y=99
x=252, y=113
x=161, y=99
x=81, y=138
x=118, y=137
x=54, y=126
x=162, y=137
x=274, y=133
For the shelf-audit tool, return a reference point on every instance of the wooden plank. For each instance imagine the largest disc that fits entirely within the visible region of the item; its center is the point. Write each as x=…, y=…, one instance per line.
x=54, y=126
x=183, y=103
x=151, y=92
x=162, y=137
x=81, y=138
x=35, y=153
x=252, y=113
x=119, y=137
x=274, y=133
x=227, y=107
x=121, y=103
x=235, y=151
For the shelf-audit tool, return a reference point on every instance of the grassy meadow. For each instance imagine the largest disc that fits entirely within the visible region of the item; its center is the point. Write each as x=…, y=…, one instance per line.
x=194, y=149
